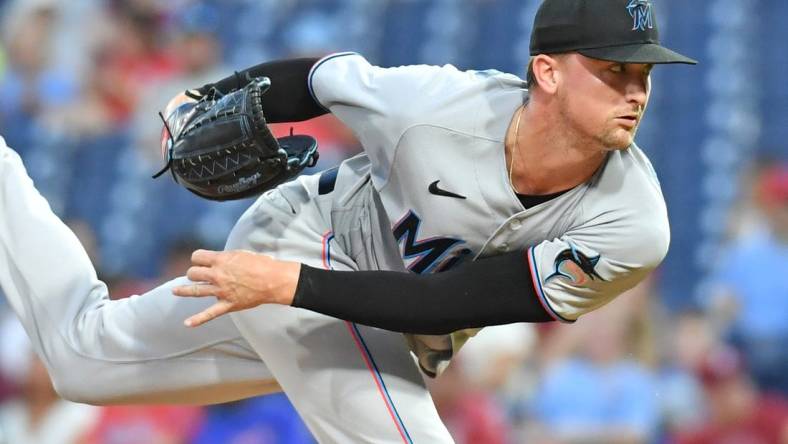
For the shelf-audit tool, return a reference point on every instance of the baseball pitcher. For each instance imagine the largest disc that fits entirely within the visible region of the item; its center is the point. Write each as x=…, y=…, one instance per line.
x=457, y=165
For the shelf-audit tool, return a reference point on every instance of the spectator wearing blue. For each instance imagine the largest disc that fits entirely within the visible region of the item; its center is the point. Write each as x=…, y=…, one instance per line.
x=267, y=419
x=599, y=395
x=29, y=86
x=752, y=295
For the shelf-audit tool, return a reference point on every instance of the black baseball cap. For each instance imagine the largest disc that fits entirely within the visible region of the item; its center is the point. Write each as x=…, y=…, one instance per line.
x=615, y=30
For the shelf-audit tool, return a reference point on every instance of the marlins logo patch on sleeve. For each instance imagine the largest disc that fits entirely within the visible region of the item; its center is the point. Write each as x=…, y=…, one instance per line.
x=576, y=266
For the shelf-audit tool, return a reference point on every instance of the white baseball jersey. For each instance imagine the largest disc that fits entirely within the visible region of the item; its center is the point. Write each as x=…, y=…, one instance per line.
x=422, y=124
x=430, y=191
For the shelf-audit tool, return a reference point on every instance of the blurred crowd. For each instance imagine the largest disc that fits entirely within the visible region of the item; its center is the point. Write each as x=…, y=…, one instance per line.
x=80, y=85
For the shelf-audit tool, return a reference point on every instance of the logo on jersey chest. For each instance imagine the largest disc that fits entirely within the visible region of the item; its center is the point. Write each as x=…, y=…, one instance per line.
x=436, y=190
x=433, y=254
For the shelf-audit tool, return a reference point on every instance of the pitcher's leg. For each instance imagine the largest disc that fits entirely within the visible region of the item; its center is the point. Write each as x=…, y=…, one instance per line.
x=103, y=351
x=350, y=384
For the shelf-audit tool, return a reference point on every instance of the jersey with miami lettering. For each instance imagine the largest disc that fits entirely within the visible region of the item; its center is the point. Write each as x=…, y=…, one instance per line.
x=436, y=191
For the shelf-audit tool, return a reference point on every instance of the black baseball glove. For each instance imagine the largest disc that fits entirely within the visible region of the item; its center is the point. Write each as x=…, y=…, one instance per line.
x=221, y=148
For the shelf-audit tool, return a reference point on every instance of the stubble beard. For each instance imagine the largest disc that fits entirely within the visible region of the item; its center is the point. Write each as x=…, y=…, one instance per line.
x=611, y=137
x=616, y=138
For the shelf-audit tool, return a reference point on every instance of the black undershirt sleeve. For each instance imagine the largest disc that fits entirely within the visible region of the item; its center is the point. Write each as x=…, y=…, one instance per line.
x=492, y=291
x=288, y=99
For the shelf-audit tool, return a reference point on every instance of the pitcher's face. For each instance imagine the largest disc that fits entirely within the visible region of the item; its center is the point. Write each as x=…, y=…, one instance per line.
x=603, y=101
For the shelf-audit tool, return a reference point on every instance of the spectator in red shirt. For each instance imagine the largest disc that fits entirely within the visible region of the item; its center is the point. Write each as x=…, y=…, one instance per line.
x=471, y=414
x=739, y=414
x=145, y=424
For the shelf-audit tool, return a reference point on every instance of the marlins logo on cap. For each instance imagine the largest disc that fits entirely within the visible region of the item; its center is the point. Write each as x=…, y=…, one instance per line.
x=640, y=11
x=622, y=31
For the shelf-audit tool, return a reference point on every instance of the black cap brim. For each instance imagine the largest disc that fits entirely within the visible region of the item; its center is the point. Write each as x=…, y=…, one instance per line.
x=637, y=53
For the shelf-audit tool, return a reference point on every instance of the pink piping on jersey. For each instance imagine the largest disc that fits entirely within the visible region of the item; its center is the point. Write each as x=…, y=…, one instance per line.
x=529, y=253
x=327, y=249
x=365, y=355
x=379, y=382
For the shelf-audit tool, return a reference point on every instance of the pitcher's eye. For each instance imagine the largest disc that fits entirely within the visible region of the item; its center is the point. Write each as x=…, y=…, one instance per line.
x=618, y=68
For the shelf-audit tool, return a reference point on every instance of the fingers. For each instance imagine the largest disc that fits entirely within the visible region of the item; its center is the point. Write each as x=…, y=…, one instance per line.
x=201, y=274
x=212, y=312
x=195, y=290
x=205, y=257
